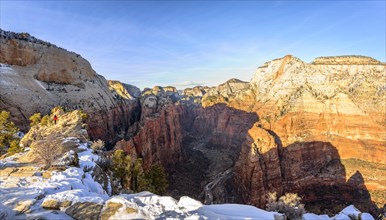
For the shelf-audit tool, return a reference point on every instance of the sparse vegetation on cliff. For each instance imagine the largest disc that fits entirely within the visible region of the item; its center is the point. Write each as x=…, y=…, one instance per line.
x=35, y=119
x=98, y=146
x=130, y=174
x=48, y=150
x=8, y=134
x=288, y=204
x=121, y=167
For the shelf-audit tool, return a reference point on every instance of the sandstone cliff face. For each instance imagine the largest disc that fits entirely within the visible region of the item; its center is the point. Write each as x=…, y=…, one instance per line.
x=36, y=76
x=122, y=90
x=196, y=91
x=318, y=126
x=338, y=104
x=187, y=138
x=157, y=136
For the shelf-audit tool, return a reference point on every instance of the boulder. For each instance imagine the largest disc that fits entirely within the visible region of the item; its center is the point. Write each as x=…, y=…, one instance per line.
x=24, y=206
x=84, y=210
x=109, y=210
x=54, y=204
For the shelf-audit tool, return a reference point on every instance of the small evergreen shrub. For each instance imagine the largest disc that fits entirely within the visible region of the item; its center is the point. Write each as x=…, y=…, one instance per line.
x=83, y=115
x=121, y=167
x=45, y=120
x=14, y=147
x=156, y=177
x=8, y=131
x=35, y=119
x=58, y=110
x=131, y=174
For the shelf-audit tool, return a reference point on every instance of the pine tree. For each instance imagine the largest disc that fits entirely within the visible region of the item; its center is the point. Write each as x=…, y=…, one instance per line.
x=14, y=147
x=157, y=179
x=153, y=180
x=8, y=131
x=121, y=167
x=136, y=171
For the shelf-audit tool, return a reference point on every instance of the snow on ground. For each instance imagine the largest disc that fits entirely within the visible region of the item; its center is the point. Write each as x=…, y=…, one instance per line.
x=350, y=210
x=151, y=206
x=311, y=216
x=6, y=69
x=10, y=161
x=235, y=211
x=72, y=184
x=76, y=184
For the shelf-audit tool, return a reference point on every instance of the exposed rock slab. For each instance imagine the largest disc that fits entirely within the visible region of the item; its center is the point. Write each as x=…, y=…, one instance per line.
x=84, y=210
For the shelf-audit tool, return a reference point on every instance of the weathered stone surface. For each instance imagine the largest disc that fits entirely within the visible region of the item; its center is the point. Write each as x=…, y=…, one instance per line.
x=36, y=76
x=330, y=112
x=346, y=60
x=130, y=210
x=109, y=210
x=124, y=90
x=84, y=211
x=158, y=136
x=51, y=204
x=24, y=206
x=54, y=204
x=321, y=115
x=196, y=91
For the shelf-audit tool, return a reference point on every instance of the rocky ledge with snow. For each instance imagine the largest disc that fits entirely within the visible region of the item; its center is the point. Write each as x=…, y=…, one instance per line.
x=74, y=194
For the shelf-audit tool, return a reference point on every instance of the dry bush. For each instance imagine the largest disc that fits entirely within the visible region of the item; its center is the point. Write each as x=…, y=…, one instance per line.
x=48, y=150
x=288, y=204
x=98, y=145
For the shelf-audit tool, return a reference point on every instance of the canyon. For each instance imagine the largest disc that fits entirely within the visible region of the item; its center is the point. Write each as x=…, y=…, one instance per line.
x=316, y=129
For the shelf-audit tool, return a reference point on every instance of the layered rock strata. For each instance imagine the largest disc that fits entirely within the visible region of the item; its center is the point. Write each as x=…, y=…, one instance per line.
x=315, y=121
x=36, y=76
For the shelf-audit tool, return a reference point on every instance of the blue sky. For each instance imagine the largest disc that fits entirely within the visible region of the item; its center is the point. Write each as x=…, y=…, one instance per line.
x=184, y=43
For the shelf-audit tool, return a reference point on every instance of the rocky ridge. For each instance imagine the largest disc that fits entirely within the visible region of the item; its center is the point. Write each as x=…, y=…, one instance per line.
x=35, y=72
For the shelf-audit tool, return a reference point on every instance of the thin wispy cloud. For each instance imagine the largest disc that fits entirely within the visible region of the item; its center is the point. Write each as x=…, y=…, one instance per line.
x=169, y=43
x=187, y=84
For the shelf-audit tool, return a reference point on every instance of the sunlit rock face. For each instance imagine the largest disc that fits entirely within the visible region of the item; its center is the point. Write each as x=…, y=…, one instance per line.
x=315, y=129
x=37, y=75
x=336, y=103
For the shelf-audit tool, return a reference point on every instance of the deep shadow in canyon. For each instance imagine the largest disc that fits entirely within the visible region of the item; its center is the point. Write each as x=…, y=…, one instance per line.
x=219, y=154
x=211, y=145
x=314, y=170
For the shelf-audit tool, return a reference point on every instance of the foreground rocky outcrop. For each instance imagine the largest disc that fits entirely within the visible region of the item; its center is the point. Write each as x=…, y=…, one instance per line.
x=36, y=76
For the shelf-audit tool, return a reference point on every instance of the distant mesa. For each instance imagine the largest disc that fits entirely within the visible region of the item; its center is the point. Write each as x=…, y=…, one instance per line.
x=346, y=60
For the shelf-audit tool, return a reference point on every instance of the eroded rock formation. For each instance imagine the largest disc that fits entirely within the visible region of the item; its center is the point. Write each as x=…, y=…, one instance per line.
x=36, y=76
x=330, y=110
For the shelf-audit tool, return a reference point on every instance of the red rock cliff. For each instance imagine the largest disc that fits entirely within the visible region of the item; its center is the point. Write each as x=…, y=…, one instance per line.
x=324, y=117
